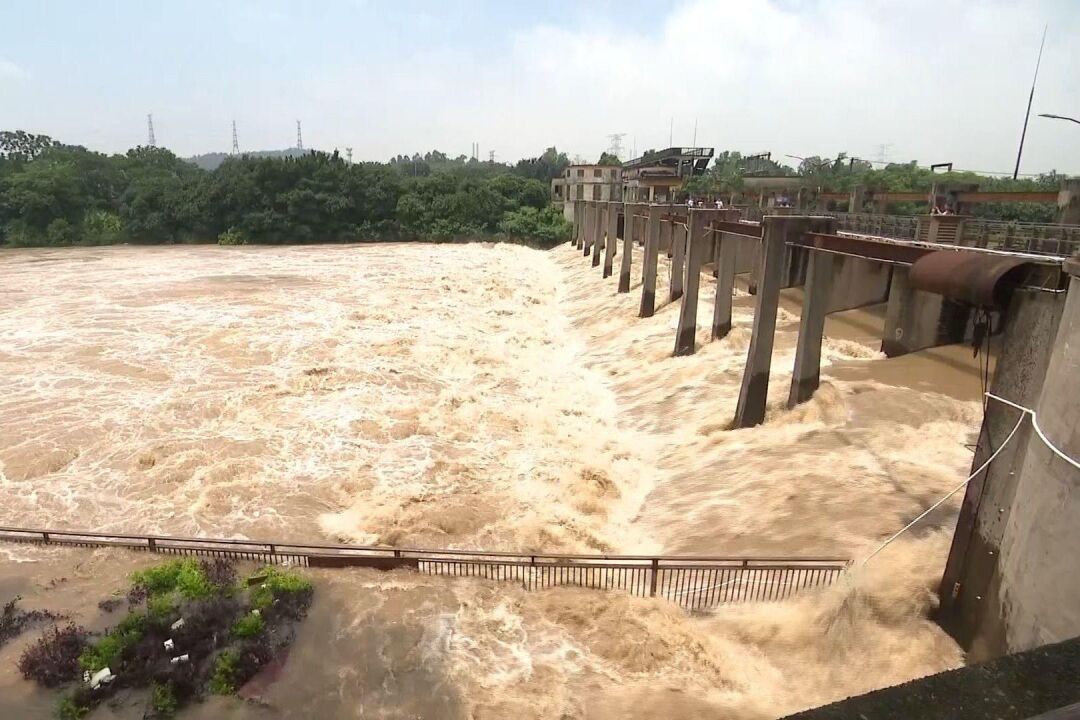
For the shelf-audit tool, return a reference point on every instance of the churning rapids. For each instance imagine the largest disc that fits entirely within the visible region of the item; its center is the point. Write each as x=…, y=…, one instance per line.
x=474, y=396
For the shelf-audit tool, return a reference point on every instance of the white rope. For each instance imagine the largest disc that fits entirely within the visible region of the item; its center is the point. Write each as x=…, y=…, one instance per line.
x=713, y=587
x=952, y=492
x=1024, y=412
x=1038, y=430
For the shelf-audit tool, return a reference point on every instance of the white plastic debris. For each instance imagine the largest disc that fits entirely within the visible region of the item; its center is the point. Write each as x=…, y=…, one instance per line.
x=180, y=659
x=86, y=676
x=256, y=612
x=177, y=625
x=169, y=644
x=103, y=676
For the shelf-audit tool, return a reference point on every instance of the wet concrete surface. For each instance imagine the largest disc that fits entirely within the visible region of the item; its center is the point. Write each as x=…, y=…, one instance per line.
x=1009, y=688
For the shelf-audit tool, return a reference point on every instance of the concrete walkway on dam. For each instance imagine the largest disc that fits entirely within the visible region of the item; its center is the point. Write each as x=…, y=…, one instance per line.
x=483, y=396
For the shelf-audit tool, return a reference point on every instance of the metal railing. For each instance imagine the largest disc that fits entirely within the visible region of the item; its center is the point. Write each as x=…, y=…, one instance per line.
x=693, y=582
x=902, y=227
x=1040, y=238
x=1035, y=238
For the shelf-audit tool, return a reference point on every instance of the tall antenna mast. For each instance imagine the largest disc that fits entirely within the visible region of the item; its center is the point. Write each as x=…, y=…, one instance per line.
x=348, y=154
x=695, y=133
x=671, y=132
x=1023, y=133
x=299, y=137
x=235, y=143
x=150, y=140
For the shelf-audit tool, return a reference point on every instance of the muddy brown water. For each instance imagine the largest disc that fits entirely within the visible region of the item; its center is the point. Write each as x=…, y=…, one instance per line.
x=472, y=396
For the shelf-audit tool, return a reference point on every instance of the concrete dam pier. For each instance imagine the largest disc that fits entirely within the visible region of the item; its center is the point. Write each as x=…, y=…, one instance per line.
x=1008, y=584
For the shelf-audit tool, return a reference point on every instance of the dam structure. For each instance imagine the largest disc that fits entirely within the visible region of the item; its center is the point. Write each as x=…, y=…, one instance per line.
x=944, y=280
x=702, y=458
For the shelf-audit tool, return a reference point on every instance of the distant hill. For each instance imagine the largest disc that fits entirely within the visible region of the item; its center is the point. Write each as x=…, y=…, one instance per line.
x=210, y=161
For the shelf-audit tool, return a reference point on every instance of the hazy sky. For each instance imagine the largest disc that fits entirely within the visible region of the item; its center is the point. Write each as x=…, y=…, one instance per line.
x=936, y=80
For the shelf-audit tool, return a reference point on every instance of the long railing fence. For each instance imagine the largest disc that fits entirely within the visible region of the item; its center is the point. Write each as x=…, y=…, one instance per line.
x=693, y=582
x=1036, y=238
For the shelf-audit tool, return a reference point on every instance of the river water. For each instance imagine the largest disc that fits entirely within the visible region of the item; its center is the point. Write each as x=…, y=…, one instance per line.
x=481, y=396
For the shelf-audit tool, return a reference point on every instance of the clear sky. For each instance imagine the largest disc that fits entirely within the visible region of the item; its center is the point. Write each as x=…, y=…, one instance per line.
x=933, y=80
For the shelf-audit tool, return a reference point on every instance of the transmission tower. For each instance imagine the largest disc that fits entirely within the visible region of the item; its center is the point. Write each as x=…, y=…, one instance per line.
x=616, y=144
x=150, y=141
x=299, y=137
x=348, y=154
x=491, y=156
x=883, y=153
x=235, y=142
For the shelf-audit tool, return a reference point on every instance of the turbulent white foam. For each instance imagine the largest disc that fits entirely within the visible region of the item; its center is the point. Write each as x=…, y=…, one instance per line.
x=499, y=397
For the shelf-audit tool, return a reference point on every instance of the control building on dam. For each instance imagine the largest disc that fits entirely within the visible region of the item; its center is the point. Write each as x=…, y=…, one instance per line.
x=1010, y=583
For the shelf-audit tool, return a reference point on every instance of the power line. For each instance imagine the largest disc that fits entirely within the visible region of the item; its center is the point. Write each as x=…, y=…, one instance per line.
x=1059, y=117
x=151, y=141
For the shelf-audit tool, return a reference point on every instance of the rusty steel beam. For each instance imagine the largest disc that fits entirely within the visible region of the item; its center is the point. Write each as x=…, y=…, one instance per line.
x=864, y=247
x=996, y=197
x=737, y=228
x=900, y=196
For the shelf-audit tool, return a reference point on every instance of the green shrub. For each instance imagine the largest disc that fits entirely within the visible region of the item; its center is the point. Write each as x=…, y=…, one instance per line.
x=163, y=700
x=161, y=607
x=61, y=232
x=100, y=228
x=248, y=626
x=221, y=682
x=159, y=579
x=548, y=225
x=184, y=576
x=295, y=590
x=69, y=709
x=191, y=581
x=107, y=651
x=232, y=236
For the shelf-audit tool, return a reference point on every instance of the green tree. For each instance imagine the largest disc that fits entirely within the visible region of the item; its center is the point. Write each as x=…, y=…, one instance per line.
x=609, y=159
x=549, y=165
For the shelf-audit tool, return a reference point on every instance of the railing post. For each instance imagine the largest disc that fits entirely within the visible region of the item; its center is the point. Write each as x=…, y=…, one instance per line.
x=45, y=537
x=653, y=574
x=151, y=545
x=273, y=549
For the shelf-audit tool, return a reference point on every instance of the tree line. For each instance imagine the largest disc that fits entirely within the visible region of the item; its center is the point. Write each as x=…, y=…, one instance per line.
x=57, y=194
x=843, y=174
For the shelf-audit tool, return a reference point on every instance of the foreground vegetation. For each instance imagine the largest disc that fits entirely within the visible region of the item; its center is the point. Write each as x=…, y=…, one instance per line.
x=54, y=194
x=192, y=628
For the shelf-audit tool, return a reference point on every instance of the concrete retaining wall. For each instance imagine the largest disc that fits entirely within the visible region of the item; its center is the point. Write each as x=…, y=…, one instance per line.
x=1040, y=586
